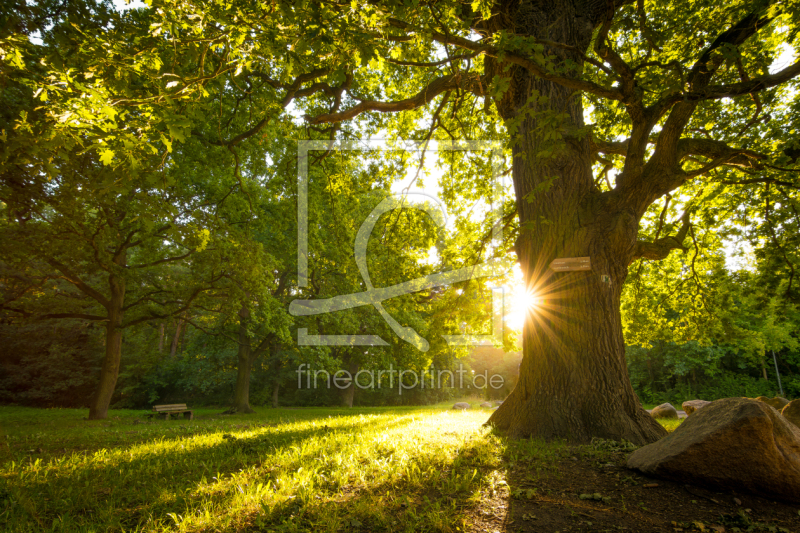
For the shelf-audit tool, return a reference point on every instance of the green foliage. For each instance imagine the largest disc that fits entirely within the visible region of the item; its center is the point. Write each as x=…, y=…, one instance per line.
x=46, y=364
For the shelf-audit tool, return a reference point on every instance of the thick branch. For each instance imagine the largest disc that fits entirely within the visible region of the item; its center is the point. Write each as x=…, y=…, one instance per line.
x=688, y=146
x=745, y=87
x=681, y=107
x=510, y=57
x=717, y=149
x=660, y=248
x=71, y=315
x=28, y=314
x=78, y=282
x=466, y=81
x=701, y=71
x=165, y=260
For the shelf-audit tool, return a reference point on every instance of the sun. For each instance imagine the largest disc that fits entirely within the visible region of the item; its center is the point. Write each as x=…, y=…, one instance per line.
x=521, y=302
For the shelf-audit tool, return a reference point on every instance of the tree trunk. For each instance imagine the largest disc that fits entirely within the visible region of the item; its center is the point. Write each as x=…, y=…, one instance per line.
x=174, y=348
x=185, y=326
x=573, y=380
x=275, y=391
x=161, y=338
x=241, y=400
x=98, y=409
x=349, y=393
x=275, y=365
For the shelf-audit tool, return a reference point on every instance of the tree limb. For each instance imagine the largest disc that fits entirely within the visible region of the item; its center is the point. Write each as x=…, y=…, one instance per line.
x=467, y=81
x=70, y=276
x=660, y=248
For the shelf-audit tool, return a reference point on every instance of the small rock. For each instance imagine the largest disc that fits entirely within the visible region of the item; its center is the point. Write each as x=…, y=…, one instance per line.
x=733, y=443
x=665, y=410
x=461, y=405
x=777, y=402
x=487, y=404
x=737, y=501
x=596, y=496
x=693, y=405
x=791, y=412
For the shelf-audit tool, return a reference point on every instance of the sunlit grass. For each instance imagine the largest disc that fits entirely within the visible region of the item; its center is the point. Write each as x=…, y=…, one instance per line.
x=670, y=424
x=290, y=470
x=403, y=469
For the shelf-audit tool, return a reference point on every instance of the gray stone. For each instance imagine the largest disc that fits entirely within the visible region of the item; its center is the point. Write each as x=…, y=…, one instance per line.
x=461, y=405
x=733, y=443
x=665, y=410
x=693, y=405
x=487, y=404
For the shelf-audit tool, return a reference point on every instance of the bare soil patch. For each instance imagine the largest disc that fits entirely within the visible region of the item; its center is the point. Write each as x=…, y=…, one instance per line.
x=586, y=489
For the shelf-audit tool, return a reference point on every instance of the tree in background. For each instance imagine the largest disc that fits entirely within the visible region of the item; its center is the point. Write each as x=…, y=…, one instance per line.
x=696, y=328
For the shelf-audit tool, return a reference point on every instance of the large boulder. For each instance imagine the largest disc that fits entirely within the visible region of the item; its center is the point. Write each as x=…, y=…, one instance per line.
x=665, y=410
x=791, y=412
x=693, y=405
x=733, y=443
x=776, y=403
x=461, y=405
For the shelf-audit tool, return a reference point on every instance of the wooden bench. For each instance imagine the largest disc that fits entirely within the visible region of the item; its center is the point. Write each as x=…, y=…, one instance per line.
x=172, y=409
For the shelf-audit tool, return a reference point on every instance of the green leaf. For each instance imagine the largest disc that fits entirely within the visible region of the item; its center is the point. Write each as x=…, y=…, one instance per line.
x=106, y=156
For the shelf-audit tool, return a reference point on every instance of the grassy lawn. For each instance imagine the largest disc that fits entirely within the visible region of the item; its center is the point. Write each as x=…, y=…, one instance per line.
x=386, y=469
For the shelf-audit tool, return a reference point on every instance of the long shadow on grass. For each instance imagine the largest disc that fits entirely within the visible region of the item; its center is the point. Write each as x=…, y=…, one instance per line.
x=74, y=434
x=108, y=491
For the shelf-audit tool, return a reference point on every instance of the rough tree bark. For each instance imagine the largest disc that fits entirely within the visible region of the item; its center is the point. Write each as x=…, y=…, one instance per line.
x=573, y=378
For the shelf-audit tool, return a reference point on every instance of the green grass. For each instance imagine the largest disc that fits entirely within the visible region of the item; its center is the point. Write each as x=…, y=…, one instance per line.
x=670, y=425
x=392, y=469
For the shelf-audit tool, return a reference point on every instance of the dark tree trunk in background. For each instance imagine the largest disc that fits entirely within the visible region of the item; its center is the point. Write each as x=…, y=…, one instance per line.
x=349, y=393
x=275, y=392
x=573, y=380
x=241, y=400
x=174, y=347
x=161, y=338
x=98, y=409
x=275, y=365
x=184, y=327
